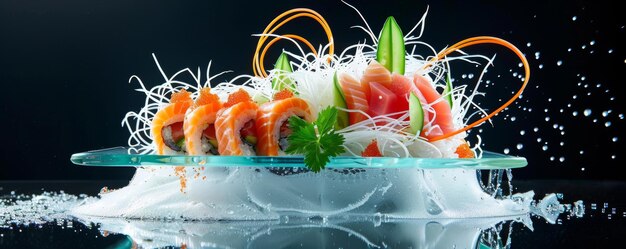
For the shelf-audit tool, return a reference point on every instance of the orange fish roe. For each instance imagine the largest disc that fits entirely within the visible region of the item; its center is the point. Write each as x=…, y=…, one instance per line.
x=283, y=94
x=237, y=97
x=372, y=150
x=206, y=97
x=182, y=96
x=464, y=151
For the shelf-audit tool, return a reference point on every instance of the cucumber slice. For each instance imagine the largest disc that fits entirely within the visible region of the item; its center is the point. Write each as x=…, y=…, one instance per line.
x=390, y=52
x=281, y=81
x=340, y=101
x=213, y=142
x=447, y=91
x=250, y=139
x=416, y=114
x=180, y=142
x=259, y=99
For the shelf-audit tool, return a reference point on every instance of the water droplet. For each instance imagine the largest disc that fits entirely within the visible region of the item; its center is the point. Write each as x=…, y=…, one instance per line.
x=607, y=124
x=559, y=63
x=583, y=46
x=610, y=51
x=574, y=18
x=621, y=116
x=605, y=113
x=583, y=78
x=522, y=132
x=569, y=50
x=614, y=139
x=592, y=42
x=561, y=159
x=537, y=54
x=582, y=169
x=464, y=76
x=540, y=66
x=538, y=140
x=555, y=126
x=612, y=156
x=587, y=112
x=581, y=152
x=562, y=143
x=575, y=113
x=544, y=148
x=506, y=150
x=547, y=119
x=536, y=129
x=551, y=158
x=528, y=44
x=470, y=76
x=519, y=146
x=513, y=118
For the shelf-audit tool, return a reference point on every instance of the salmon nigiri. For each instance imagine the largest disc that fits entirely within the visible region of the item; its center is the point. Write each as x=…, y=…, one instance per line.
x=199, y=124
x=167, y=125
x=273, y=125
x=235, y=125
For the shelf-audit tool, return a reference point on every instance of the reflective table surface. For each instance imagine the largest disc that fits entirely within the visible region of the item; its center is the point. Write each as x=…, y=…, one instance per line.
x=591, y=214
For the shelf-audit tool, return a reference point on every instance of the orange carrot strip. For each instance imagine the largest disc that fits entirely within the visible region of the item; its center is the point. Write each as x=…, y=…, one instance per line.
x=262, y=68
x=484, y=40
x=257, y=63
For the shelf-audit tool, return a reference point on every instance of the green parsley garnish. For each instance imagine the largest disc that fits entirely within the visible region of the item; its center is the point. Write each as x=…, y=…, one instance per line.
x=317, y=141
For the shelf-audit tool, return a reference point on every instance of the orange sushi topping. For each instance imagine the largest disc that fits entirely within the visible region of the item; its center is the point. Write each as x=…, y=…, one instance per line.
x=372, y=150
x=237, y=97
x=182, y=96
x=464, y=151
x=206, y=97
x=283, y=94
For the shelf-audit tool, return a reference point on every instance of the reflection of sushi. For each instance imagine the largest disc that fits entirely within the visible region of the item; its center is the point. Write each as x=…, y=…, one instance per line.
x=235, y=125
x=167, y=125
x=272, y=125
x=199, y=125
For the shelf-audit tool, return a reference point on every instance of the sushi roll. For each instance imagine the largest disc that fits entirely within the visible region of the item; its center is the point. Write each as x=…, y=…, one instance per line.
x=199, y=125
x=235, y=125
x=167, y=125
x=272, y=122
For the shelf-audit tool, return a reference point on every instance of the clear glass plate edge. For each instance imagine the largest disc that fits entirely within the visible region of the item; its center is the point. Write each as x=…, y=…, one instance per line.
x=119, y=157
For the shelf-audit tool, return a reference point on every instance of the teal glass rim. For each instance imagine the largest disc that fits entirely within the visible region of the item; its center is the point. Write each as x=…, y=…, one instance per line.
x=119, y=157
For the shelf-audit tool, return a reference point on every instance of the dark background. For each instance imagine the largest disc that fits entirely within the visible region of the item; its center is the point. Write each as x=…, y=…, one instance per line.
x=65, y=65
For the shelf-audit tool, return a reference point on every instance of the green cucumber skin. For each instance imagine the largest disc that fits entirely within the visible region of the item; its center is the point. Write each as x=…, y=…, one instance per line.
x=416, y=114
x=280, y=81
x=391, y=50
x=340, y=101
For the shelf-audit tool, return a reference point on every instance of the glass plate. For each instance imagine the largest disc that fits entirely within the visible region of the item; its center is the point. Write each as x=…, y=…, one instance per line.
x=119, y=157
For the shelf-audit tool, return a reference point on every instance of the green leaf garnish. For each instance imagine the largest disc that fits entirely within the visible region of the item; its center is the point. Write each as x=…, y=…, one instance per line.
x=281, y=81
x=390, y=51
x=317, y=140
